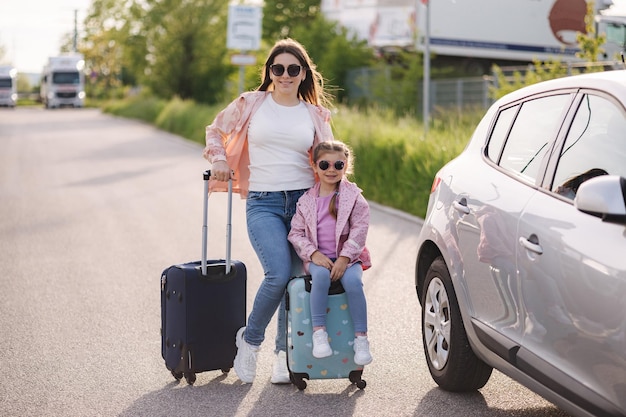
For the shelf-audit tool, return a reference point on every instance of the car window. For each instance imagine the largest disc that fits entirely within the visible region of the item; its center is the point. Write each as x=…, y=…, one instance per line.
x=595, y=145
x=533, y=131
x=500, y=131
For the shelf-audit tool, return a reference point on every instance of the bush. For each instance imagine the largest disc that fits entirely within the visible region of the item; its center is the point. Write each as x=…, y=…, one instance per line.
x=395, y=163
x=140, y=107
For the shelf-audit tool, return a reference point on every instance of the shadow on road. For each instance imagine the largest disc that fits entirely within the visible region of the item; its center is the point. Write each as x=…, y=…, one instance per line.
x=179, y=399
x=287, y=400
x=474, y=404
x=217, y=398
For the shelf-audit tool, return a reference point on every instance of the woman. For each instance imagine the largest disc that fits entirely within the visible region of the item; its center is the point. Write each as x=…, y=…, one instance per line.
x=263, y=141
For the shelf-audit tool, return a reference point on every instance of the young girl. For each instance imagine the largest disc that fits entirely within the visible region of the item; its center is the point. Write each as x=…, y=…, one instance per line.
x=328, y=231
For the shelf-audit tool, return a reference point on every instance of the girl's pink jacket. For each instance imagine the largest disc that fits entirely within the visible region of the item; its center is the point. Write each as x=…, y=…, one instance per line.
x=227, y=137
x=353, y=215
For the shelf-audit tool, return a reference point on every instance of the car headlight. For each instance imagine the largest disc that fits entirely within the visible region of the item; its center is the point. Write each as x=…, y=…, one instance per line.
x=81, y=95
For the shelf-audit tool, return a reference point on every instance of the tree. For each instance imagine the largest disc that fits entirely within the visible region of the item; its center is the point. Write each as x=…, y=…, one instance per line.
x=187, y=55
x=113, y=45
x=280, y=17
x=174, y=47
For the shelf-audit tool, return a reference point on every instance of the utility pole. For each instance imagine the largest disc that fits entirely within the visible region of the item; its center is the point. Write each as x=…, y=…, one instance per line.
x=426, y=87
x=75, y=43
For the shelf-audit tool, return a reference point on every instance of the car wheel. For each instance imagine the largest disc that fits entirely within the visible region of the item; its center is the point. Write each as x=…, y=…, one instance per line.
x=451, y=361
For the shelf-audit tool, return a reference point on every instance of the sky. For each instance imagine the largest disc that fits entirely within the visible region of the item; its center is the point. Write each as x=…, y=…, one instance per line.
x=32, y=30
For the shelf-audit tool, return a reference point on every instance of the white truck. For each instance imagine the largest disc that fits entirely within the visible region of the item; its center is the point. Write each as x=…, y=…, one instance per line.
x=63, y=81
x=479, y=31
x=8, y=86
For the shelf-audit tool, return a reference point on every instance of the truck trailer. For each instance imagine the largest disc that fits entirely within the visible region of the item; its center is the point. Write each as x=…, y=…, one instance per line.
x=63, y=81
x=482, y=32
x=8, y=86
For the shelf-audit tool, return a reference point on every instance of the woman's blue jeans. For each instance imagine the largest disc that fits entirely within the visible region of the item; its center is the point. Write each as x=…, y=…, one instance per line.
x=268, y=215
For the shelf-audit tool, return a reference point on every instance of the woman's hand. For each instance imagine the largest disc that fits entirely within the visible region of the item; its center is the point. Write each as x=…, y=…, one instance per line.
x=220, y=171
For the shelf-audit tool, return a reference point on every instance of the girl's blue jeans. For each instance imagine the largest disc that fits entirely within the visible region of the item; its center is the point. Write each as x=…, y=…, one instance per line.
x=352, y=283
x=268, y=215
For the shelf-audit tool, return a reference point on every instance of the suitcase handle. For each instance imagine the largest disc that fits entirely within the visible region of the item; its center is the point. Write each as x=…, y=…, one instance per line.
x=203, y=264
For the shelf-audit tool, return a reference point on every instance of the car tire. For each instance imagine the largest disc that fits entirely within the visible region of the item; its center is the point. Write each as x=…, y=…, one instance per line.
x=451, y=361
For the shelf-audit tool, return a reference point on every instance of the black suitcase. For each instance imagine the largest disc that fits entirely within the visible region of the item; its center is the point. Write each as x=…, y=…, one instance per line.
x=203, y=304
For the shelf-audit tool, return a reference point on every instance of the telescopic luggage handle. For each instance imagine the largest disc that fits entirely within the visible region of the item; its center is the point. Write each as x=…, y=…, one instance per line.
x=207, y=176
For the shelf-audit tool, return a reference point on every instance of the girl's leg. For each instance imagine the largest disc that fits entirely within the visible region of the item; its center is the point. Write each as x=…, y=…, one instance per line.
x=320, y=282
x=320, y=278
x=353, y=285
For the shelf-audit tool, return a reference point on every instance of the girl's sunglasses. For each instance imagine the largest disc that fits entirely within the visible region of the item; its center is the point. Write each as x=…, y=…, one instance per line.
x=279, y=69
x=324, y=165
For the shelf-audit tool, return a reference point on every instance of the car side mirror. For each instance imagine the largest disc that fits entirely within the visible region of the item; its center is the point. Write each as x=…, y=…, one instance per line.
x=603, y=196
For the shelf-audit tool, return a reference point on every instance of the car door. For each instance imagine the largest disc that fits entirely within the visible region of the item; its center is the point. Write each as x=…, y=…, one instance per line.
x=572, y=266
x=496, y=193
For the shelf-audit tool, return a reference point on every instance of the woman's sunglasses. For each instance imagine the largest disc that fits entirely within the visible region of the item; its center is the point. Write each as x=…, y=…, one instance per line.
x=279, y=69
x=324, y=165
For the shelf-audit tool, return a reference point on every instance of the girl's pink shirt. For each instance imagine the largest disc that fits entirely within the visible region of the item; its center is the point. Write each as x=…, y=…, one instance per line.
x=226, y=137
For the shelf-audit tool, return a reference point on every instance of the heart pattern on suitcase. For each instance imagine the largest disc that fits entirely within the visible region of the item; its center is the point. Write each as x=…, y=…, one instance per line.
x=339, y=325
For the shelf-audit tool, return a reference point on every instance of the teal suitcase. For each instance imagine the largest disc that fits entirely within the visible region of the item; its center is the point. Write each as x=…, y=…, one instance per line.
x=300, y=361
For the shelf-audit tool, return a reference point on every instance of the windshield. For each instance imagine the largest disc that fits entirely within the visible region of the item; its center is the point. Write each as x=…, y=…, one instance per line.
x=616, y=33
x=69, y=77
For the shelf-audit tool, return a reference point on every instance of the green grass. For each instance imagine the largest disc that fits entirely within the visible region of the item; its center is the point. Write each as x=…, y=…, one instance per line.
x=395, y=161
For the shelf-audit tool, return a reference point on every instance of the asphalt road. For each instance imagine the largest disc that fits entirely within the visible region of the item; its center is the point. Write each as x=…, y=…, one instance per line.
x=92, y=209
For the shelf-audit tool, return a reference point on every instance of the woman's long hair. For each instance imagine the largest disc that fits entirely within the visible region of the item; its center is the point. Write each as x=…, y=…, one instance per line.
x=311, y=89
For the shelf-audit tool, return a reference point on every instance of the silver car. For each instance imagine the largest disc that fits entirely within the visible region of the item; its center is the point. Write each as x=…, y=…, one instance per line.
x=522, y=256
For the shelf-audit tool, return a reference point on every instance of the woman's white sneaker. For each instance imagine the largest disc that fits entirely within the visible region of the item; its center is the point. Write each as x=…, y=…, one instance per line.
x=280, y=372
x=245, y=360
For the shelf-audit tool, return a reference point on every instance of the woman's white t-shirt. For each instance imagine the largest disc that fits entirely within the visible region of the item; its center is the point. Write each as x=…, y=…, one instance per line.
x=279, y=138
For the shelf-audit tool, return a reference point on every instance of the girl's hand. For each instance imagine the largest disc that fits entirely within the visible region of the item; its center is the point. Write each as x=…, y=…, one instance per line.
x=319, y=259
x=220, y=171
x=339, y=268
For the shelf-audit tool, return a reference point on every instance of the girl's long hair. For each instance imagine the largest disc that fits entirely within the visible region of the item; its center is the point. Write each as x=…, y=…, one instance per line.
x=342, y=148
x=311, y=89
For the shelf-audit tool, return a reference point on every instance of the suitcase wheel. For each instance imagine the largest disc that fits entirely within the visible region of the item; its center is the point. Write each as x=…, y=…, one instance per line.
x=177, y=375
x=225, y=370
x=355, y=378
x=297, y=381
x=190, y=377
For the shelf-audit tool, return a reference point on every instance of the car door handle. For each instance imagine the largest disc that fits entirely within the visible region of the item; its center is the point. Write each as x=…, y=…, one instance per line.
x=531, y=246
x=461, y=206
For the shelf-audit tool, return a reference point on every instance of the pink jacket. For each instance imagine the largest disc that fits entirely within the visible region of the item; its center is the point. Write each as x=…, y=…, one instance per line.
x=226, y=137
x=353, y=214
